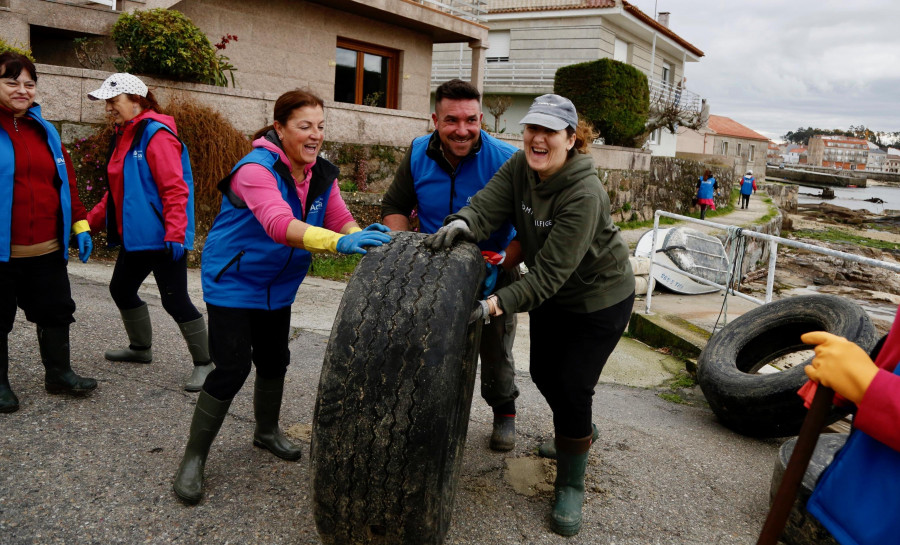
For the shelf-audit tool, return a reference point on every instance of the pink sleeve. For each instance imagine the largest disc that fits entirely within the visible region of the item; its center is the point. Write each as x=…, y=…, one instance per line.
x=337, y=215
x=879, y=410
x=256, y=186
x=164, y=160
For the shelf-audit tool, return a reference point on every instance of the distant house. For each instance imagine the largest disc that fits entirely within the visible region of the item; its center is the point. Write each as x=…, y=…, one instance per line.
x=841, y=152
x=876, y=159
x=892, y=160
x=773, y=153
x=368, y=60
x=529, y=39
x=726, y=138
x=795, y=154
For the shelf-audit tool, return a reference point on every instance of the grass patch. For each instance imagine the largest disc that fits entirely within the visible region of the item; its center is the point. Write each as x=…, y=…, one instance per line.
x=334, y=267
x=842, y=237
x=672, y=398
x=683, y=380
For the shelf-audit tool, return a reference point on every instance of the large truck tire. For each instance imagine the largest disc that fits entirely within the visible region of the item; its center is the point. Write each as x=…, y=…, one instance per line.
x=801, y=527
x=767, y=405
x=392, y=410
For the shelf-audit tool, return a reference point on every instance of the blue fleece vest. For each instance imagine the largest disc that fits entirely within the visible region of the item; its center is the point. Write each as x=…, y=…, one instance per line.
x=440, y=193
x=7, y=170
x=747, y=185
x=706, y=188
x=242, y=267
x=142, y=210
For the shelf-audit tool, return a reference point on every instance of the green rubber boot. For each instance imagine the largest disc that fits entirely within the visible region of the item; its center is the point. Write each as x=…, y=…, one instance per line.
x=140, y=337
x=267, y=396
x=195, y=335
x=9, y=403
x=58, y=375
x=208, y=416
x=548, y=449
x=571, y=463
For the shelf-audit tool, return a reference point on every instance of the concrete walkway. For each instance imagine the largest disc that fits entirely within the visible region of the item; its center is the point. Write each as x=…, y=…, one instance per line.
x=99, y=469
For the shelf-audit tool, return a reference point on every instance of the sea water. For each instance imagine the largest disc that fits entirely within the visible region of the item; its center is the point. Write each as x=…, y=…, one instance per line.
x=854, y=198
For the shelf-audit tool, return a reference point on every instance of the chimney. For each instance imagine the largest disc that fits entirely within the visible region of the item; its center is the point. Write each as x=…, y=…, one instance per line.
x=663, y=18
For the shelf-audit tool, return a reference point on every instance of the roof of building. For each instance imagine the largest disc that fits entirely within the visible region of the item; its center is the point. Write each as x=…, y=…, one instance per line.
x=518, y=6
x=729, y=127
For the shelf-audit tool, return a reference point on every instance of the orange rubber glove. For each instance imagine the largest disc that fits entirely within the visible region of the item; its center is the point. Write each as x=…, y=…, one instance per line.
x=840, y=365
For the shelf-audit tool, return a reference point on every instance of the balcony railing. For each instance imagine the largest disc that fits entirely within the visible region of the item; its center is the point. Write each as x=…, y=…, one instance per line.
x=473, y=10
x=540, y=74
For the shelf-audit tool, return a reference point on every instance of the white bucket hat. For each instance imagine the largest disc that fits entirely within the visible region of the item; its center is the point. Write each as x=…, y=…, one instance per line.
x=117, y=84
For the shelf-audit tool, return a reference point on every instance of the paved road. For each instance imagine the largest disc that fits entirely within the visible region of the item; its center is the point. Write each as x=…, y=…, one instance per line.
x=99, y=469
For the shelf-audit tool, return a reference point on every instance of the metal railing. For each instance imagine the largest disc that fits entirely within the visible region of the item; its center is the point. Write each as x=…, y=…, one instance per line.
x=773, y=243
x=110, y=3
x=473, y=10
x=506, y=74
x=663, y=92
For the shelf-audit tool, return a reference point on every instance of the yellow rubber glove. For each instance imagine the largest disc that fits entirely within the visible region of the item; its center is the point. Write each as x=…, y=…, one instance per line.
x=840, y=365
x=316, y=239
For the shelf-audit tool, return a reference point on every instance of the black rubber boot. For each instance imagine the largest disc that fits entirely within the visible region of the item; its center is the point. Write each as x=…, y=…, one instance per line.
x=9, y=403
x=571, y=463
x=503, y=436
x=140, y=337
x=267, y=396
x=195, y=335
x=548, y=449
x=208, y=416
x=58, y=375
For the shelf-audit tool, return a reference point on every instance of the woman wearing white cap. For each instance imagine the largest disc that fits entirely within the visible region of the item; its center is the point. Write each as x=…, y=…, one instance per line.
x=149, y=212
x=579, y=289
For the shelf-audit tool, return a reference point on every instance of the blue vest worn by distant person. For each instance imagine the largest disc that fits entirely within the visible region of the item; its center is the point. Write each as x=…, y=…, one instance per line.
x=706, y=188
x=144, y=227
x=440, y=193
x=747, y=185
x=7, y=171
x=242, y=267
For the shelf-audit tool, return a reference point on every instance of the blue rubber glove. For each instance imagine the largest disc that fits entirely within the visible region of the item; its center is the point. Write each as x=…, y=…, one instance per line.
x=85, y=246
x=378, y=227
x=490, y=279
x=370, y=236
x=176, y=249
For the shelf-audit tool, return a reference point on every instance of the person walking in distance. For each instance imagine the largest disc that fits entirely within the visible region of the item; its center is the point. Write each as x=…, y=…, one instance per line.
x=706, y=192
x=748, y=186
x=438, y=176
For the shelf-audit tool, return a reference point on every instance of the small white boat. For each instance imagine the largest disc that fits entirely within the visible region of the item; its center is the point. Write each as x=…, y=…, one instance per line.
x=688, y=250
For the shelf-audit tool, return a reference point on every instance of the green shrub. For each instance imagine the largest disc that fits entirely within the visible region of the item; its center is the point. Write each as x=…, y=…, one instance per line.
x=4, y=47
x=610, y=94
x=166, y=43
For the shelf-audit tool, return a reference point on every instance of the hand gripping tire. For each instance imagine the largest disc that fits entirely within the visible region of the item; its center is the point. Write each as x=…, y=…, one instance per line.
x=393, y=404
x=768, y=405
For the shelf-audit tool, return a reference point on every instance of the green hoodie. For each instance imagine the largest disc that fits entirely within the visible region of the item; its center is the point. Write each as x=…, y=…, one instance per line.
x=574, y=253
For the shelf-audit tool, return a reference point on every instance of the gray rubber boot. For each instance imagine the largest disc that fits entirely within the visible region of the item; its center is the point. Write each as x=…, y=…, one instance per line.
x=195, y=335
x=571, y=463
x=208, y=416
x=58, y=375
x=140, y=337
x=9, y=403
x=548, y=449
x=267, y=396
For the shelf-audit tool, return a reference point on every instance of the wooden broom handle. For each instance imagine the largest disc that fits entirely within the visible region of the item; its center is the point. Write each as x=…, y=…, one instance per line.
x=796, y=468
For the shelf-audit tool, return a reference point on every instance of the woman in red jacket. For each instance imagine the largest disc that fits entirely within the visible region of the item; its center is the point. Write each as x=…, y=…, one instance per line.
x=149, y=212
x=39, y=208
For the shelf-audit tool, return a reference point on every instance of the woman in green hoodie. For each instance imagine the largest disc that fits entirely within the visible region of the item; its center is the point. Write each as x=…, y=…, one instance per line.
x=579, y=289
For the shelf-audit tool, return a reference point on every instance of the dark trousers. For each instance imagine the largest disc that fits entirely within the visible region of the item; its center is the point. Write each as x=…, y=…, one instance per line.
x=239, y=336
x=703, y=208
x=568, y=352
x=132, y=268
x=498, y=370
x=40, y=287
x=745, y=200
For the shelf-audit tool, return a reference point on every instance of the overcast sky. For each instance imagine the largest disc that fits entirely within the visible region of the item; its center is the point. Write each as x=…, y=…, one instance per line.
x=775, y=66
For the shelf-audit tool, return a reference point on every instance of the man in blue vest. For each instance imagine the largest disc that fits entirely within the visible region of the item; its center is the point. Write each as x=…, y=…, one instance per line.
x=437, y=177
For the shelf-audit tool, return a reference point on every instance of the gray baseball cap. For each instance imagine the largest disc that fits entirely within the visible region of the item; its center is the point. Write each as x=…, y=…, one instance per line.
x=551, y=111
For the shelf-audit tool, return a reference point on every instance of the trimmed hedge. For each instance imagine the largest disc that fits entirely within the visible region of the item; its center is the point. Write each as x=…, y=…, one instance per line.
x=610, y=94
